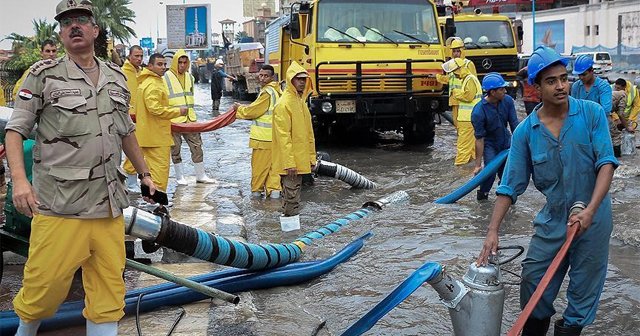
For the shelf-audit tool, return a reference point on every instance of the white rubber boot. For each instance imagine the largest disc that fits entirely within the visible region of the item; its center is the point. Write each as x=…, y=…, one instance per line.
x=28, y=328
x=290, y=223
x=132, y=183
x=179, y=174
x=201, y=176
x=102, y=329
x=275, y=194
x=256, y=194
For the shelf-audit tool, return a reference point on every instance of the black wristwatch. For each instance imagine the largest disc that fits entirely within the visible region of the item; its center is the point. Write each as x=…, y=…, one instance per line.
x=141, y=176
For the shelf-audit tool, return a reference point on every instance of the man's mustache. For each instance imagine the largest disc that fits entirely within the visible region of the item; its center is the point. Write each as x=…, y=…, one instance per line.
x=76, y=32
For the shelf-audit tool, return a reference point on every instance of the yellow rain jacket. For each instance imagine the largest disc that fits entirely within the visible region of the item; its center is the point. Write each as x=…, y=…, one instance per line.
x=633, y=103
x=180, y=88
x=293, y=140
x=453, y=82
x=16, y=88
x=3, y=101
x=131, y=73
x=468, y=95
x=261, y=112
x=153, y=113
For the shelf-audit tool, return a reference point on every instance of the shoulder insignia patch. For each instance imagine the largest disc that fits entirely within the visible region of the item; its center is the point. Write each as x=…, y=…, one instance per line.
x=37, y=67
x=116, y=68
x=25, y=94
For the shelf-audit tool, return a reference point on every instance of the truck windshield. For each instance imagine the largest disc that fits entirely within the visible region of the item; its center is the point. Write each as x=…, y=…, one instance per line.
x=485, y=34
x=377, y=21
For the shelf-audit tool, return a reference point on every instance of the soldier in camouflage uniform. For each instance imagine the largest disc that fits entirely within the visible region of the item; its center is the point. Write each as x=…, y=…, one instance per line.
x=81, y=107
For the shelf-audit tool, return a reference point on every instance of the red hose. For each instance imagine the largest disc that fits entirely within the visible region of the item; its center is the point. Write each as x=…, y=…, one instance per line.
x=198, y=127
x=533, y=301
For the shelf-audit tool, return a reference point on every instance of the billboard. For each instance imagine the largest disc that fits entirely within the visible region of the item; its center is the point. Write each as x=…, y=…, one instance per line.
x=630, y=29
x=189, y=26
x=550, y=34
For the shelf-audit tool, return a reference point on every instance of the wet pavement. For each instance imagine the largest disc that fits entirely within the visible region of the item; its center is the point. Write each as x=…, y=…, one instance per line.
x=404, y=238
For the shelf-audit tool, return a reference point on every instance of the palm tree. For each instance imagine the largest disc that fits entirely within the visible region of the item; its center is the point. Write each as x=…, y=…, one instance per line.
x=114, y=18
x=240, y=36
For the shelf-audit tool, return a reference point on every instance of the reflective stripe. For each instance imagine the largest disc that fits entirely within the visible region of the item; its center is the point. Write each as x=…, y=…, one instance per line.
x=465, y=109
x=261, y=126
x=179, y=97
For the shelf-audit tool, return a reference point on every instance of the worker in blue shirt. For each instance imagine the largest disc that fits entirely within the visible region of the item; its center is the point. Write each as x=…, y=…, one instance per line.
x=490, y=118
x=565, y=147
x=590, y=86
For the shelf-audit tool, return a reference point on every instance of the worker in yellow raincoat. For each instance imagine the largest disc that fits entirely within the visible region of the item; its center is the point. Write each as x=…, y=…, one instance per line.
x=131, y=68
x=263, y=177
x=457, y=51
x=153, y=120
x=294, y=151
x=468, y=95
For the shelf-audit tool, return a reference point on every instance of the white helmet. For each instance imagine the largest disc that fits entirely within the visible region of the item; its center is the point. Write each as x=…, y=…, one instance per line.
x=468, y=40
x=483, y=39
x=219, y=62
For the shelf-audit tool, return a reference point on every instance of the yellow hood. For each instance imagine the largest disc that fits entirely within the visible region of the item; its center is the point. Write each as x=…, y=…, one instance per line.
x=292, y=71
x=174, y=62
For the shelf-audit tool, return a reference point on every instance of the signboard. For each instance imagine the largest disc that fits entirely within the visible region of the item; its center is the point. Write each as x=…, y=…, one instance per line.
x=550, y=34
x=146, y=42
x=188, y=26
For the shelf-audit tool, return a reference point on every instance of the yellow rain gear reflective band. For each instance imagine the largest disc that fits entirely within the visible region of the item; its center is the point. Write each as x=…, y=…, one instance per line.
x=261, y=127
x=179, y=97
x=465, y=108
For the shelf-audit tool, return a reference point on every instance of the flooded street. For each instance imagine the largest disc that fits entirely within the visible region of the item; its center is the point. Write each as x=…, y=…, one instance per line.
x=405, y=238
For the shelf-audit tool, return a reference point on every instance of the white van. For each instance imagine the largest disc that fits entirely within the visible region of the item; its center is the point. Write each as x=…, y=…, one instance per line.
x=601, y=61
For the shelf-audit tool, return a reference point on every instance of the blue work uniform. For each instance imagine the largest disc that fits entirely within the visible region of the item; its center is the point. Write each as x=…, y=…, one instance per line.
x=600, y=92
x=490, y=122
x=564, y=169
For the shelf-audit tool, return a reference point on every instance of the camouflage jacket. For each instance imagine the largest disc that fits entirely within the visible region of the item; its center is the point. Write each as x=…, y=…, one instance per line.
x=76, y=171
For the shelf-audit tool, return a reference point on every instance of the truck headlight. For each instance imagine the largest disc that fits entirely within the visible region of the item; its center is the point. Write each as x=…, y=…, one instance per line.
x=327, y=107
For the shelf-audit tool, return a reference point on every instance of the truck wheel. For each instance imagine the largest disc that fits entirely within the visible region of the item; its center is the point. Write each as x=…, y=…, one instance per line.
x=420, y=131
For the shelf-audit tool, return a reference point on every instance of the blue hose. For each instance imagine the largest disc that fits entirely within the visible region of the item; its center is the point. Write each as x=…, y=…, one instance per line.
x=229, y=282
x=423, y=274
x=485, y=173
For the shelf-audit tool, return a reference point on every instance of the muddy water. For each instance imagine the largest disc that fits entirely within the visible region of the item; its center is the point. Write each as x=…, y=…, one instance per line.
x=404, y=238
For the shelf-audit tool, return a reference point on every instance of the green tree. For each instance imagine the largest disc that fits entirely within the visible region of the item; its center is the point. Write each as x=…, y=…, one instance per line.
x=27, y=48
x=114, y=17
x=241, y=35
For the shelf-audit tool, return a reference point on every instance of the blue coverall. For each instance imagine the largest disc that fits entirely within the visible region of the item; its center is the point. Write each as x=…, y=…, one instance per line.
x=600, y=92
x=564, y=169
x=490, y=122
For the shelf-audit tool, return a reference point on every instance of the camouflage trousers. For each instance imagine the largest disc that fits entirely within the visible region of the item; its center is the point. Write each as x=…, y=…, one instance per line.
x=291, y=186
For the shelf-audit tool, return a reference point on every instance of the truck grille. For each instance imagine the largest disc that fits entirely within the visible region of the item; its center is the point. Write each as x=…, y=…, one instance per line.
x=486, y=64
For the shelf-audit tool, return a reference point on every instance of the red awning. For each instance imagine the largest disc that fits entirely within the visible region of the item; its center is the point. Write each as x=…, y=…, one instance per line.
x=478, y=3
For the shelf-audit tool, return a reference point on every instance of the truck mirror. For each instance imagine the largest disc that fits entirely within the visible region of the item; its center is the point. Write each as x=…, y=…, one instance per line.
x=520, y=33
x=294, y=26
x=449, y=28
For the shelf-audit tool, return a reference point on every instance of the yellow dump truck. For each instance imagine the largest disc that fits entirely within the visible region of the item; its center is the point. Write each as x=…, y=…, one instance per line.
x=490, y=41
x=373, y=64
x=243, y=60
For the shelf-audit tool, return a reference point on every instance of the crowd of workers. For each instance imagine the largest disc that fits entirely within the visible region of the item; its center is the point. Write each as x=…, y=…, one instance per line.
x=567, y=144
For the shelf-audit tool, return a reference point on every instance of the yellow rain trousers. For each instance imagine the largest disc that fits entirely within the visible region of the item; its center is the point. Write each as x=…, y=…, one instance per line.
x=157, y=159
x=64, y=245
x=468, y=96
x=261, y=173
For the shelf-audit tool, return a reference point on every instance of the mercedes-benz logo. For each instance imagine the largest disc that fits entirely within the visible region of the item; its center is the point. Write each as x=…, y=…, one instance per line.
x=486, y=63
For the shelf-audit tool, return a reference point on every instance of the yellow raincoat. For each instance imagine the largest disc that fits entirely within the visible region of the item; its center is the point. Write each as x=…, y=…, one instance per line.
x=261, y=138
x=293, y=140
x=131, y=73
x=180, y=93
x=468, y=95
x=153, y=125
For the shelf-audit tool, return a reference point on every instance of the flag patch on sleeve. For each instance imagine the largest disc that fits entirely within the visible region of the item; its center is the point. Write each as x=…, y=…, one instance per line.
x=25, y=94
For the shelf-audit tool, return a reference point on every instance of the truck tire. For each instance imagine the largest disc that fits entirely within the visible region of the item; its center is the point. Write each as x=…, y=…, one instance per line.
x=420, y=130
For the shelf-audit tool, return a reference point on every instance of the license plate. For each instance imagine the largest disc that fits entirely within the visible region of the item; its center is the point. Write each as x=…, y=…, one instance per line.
x=345, y=106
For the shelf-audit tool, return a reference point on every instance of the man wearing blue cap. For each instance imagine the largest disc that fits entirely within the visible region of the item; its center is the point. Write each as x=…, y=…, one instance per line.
x=590, y=86
x=564, y=146
x=490, y=118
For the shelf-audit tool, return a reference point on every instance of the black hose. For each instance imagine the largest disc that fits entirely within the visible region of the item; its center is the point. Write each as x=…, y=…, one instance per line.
x=344, y=174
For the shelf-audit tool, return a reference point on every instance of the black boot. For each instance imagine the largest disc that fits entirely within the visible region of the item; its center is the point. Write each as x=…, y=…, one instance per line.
x=535, y=327
x=481, y=196
x=560, y=329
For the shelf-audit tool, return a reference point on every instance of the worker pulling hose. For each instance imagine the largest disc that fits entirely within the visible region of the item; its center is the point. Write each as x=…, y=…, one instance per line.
x=342, y=173
x=203, y=245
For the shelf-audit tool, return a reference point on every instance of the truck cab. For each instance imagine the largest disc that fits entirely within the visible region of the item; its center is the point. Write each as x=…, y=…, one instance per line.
x=490, y=43
x=373, y=64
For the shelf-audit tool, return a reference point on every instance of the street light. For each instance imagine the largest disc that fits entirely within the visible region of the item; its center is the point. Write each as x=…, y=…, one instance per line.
x=158, y=19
